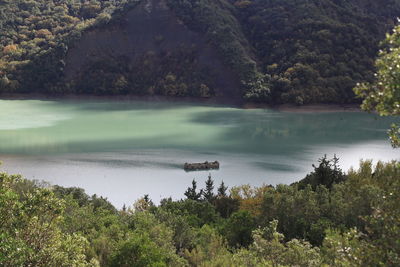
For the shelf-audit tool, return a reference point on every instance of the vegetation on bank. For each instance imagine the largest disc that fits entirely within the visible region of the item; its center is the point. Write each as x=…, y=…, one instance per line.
x=328, y=219
x=281, y=51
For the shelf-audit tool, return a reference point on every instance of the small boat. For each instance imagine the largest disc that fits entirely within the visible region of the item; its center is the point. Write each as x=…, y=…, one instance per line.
x=201, y=166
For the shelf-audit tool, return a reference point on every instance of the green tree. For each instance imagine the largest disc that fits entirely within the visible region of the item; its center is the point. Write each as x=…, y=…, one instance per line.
x=191, y=192
x=327, y=173
x=238, y=229
x=197, y=213
x=149, y=243
x=269, y=248
x=209, y=248
x=140, y=251
x=30, y=228
x=208, y=192
x=183, y=232
x=222, y=189
x=225, y=206
x=383, y=95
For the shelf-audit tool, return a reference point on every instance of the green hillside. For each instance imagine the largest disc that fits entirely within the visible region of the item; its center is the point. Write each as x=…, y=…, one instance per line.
x=269, y=51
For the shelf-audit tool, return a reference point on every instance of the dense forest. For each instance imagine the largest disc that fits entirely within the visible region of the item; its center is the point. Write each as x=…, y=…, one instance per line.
x=330, y=218
x=272, y=51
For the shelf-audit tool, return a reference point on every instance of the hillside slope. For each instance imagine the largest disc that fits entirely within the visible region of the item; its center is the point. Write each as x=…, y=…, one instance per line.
x=316, y=51
x=269, y=51
x=148, y=51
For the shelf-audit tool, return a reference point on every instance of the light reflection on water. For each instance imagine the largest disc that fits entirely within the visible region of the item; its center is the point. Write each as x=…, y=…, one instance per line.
x=123, y=150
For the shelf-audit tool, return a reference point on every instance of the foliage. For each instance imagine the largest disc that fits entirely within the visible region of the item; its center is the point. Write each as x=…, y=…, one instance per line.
x=238, y=228
x=346, y=222
x=208, y=193
x=269, y=248
x=327, y=173
x=191, y=192
x=35, y=37
x=209, y=248
x=173, y=74
x=315, y=51
x=31, y=228
x=278, y=51
x=383, y=95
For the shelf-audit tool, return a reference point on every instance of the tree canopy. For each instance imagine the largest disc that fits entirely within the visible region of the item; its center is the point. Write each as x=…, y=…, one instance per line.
x=352, y=221
x=383, y=94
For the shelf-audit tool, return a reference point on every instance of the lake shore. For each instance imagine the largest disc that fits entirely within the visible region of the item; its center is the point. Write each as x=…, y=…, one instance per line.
x=309, y=108
x=292, y=108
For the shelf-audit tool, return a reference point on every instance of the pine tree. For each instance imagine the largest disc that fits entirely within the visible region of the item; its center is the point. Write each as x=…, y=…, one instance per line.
x=191, y=192
x=208, y=193
x=222, y=190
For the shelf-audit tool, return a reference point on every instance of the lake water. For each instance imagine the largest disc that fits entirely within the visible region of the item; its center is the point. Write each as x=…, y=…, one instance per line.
x=125, y=149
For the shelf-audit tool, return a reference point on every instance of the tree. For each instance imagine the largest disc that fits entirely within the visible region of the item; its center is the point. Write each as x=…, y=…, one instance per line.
x=383, y=95
x=209, y=248
x=138, y=251
x=191, y=192
x=183, y=233
x=208, y=193
x=238, y=229
x=269, y=245
x=222, y=190
x=149, y=243
x=31, y=228
x=225, y=206
x=327, y=173
x=143, y=203
x=197, y=213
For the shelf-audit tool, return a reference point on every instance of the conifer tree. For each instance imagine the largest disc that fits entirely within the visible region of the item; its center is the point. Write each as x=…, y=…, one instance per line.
x=208, y=193
x=191, y=192
x=222, y=190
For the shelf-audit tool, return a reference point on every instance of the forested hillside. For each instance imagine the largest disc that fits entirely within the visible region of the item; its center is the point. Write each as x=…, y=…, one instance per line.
x=328, y=219
x=269, y=51
x=35, y=36
x=315, y=51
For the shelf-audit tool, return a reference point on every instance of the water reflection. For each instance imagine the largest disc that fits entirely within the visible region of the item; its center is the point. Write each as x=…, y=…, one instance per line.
x=97, y=127
x=107, y=147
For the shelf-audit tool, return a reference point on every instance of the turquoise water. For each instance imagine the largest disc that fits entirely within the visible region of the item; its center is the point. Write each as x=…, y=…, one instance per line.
x=125, y=149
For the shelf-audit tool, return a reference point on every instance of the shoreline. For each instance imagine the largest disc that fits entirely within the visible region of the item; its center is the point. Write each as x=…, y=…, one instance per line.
x=308, y=108
x=292, y=108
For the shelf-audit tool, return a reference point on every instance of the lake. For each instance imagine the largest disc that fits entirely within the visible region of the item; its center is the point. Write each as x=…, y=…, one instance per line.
x=125, y=149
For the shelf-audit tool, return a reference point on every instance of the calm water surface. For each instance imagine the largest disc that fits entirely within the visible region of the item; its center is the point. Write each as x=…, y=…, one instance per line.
x=123, y=150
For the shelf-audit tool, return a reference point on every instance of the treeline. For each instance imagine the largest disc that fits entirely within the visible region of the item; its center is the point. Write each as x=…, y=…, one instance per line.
x=280, y=51
x=172, y=74
x=330, y=218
